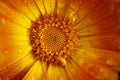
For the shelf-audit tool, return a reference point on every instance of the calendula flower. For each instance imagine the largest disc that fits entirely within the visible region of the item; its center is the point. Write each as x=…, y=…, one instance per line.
x=59, y=40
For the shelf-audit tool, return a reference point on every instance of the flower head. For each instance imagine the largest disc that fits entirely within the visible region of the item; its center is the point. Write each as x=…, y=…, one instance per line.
x=59, y=40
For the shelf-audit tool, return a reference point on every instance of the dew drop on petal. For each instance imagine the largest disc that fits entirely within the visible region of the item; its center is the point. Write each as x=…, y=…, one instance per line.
x=20, y=51
x=33, y=78
x=6, y=52
x=119, y=47
x=13, y=32
x=3, y=21
x=111, y=62
x=104, y=71
x=107, y=74
x=7, y=78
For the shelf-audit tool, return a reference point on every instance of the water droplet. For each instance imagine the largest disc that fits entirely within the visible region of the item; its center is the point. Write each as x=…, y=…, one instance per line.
x=104, y=72
x=6, y=52
x=25, y=1
x=7, y=78
x=13, y=32
x=29, y=48
x=3, y=21
x=33, y=78
x=119, y=47
x=111, y=62
x=20, y=51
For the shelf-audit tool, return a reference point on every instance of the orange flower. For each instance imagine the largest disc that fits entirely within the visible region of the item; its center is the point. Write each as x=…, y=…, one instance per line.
x=59, y=40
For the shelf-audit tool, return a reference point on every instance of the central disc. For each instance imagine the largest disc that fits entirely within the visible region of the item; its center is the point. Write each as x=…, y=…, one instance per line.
x=53, y=39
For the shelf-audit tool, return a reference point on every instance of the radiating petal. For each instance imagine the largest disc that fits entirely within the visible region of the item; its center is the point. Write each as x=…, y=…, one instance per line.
x=56, y=73
x=12, y=29
x=94, y=10
x=75, y=72
x=49, y=6
x=15, y=70
x=76, y=9
x=96, y=21
x=21, y=7
x=9, y=16
x=41, y=5
x=109, y=42
x=93, y=68
x=36, y=72
x=33, y=8
x=105, y=57
x=60, y=6
x=13, y=47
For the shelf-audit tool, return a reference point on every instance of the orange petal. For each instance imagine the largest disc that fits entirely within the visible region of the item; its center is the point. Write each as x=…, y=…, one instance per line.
x=17, y=69
x=100, y=72
x=13, y=47
x=49, y=6
x=20, y=7
x=56, y=73
x=94, y=19
x=36, y=72
x=96, y=10
x=75, y=72
x=105, y=57
x=94, y=68
x=7, y=14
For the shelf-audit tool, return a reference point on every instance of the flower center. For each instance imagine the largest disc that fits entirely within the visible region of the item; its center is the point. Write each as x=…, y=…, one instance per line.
x=53, y=39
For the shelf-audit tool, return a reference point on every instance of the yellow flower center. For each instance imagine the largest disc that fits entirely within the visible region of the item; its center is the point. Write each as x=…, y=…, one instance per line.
x=53, y=39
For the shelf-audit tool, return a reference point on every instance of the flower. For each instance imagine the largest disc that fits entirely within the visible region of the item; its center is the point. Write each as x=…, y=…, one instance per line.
x=59, y=40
